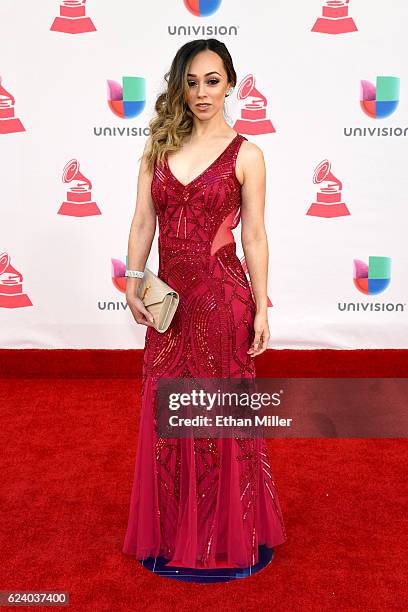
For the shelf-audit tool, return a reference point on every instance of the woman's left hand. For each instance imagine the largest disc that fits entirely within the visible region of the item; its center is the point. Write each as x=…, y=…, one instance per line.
x=262, y=334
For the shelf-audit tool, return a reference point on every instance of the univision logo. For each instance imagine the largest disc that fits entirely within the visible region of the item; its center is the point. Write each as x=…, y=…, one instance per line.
x=377, y=102
x=371, y=279
x=202, y=8
x=380, y=100
x=118, y=269
x=128, y=99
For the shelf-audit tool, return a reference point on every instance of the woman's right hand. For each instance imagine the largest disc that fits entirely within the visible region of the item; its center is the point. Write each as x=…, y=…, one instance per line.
x=140, y=314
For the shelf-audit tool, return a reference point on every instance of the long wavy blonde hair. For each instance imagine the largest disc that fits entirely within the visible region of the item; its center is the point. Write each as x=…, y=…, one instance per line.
x=173, y=119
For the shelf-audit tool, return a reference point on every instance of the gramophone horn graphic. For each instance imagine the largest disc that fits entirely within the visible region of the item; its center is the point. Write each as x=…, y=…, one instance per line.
x=335, y=18
x=73, y=19
x=253, y=115
x=78, y=202
x=9, y=124
x=11, y=285
x=328, y=199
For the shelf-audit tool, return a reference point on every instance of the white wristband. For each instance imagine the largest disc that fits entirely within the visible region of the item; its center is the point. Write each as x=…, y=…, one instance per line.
x=134, y=273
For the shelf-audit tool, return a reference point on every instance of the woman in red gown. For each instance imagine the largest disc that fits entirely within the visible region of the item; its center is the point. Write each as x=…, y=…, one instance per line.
x=201, y=509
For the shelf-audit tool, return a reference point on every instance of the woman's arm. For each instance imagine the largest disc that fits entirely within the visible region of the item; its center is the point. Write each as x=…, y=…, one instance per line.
x=141, y=236
x=254, y=239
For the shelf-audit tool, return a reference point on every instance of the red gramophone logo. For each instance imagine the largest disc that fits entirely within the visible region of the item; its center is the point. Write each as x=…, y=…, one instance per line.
x=79, y=198
x=245, y=268
x=328, y=202
x=8, y=122
x=72, y=18
x=253, y=119
x=335, y=18
x=11, y=285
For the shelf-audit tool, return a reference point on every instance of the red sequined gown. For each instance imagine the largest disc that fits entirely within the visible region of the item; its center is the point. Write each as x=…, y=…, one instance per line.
x=203, y=503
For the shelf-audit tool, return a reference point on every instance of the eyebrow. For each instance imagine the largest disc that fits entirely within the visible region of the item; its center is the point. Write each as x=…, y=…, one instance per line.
x=206, y=74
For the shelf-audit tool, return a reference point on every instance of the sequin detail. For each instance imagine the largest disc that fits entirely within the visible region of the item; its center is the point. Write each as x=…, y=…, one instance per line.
x=203, y=486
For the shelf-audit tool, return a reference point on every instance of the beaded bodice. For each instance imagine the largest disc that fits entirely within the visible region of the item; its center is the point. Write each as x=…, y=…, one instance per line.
x=213, y=324
x=199, y=216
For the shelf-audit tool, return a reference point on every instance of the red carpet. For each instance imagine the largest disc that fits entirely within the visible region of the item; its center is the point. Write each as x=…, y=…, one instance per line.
x=67, y=465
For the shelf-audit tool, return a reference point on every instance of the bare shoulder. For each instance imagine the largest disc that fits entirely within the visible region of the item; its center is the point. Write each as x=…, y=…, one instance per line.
x=250, y=158
x=251, y=153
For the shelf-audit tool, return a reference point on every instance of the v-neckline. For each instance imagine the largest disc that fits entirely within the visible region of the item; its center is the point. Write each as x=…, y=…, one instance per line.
x=204, y=171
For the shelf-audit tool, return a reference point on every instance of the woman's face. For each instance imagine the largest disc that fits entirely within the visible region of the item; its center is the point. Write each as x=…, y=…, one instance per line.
x=207, y=85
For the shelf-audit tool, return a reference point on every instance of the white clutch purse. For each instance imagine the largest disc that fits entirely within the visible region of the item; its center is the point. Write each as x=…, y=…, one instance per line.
x=159, y=299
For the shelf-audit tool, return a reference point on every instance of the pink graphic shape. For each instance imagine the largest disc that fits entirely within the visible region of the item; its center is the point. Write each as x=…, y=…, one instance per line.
x=118, y=274
x=253, y=119
x=360, y=268
x=367, y=91
x=9, y=124
x=72, y=18
x=328, y=203
x=79, y=199
x=335, y=18
x=11, y=285
x=115, y=91
x=368, y=97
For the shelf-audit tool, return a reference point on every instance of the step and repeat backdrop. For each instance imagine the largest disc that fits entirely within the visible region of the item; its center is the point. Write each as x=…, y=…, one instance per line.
x=322, y=90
